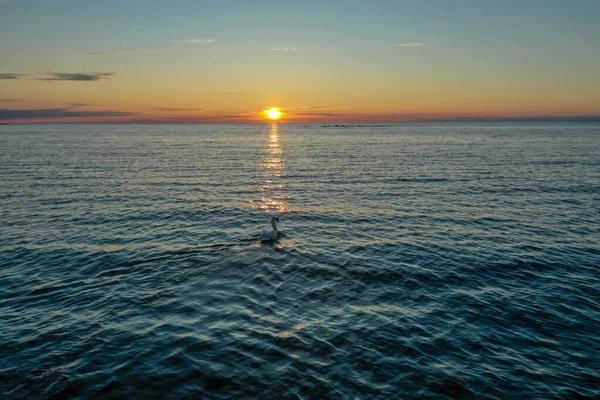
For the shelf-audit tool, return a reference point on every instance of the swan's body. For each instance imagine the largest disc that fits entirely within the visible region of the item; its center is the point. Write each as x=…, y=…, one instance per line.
x=272, y=235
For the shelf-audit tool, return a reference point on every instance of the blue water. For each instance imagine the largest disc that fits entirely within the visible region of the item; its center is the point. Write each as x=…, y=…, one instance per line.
x=416, y=261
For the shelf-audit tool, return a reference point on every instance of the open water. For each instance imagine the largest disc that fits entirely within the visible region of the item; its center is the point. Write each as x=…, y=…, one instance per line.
x=416, y=261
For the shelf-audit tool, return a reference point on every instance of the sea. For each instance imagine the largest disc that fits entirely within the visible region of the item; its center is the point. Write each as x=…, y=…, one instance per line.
x=414, y=261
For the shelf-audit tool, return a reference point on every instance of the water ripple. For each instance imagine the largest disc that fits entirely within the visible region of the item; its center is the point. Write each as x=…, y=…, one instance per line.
x=441, y=261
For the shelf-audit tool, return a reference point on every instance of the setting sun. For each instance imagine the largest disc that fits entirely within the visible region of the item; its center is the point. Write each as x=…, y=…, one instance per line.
x=273, y=113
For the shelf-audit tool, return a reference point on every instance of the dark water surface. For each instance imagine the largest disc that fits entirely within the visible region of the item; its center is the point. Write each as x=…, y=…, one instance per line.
x=418, y=261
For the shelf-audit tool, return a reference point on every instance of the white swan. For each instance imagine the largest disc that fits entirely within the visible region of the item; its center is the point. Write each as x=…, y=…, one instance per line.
x=272, y=235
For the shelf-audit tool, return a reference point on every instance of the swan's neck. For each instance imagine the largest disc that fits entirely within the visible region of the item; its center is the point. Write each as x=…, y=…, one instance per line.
x=274, y=226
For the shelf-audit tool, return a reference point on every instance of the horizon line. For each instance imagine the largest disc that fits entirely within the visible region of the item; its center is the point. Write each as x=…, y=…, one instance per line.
x=466, y=120
x=68, y=116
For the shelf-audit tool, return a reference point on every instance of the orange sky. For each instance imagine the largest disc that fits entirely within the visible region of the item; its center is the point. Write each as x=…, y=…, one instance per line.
x=398, y=62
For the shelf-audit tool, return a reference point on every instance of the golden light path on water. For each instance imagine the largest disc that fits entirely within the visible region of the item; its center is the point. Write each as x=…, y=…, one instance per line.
x=273, y=194
x=273, y=189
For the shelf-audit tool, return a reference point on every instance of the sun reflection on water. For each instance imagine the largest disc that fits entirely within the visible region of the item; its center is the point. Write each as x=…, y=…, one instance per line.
x=273, y=189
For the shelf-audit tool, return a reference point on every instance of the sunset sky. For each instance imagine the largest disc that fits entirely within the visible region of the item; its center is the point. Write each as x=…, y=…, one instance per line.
x=318, y=61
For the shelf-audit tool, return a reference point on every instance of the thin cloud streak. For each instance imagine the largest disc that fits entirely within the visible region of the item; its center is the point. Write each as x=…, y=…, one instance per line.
x=416, y=44
x=78, y=77
x=309, y=108
x=68, y=115
x=119, y=53
x=284, y=49
x=193, y=41
x=318, y=114
x=77, y=105
x=8, y=100
x=171, y=109
x=450, y=118
x=534, y=118
x=50, y=113
x=11, y=76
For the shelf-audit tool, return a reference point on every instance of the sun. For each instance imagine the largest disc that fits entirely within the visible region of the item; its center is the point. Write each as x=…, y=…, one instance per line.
x=273, y=113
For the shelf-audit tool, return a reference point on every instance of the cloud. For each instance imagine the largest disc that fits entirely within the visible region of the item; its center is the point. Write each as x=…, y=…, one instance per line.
x=308, y=108
x=319, y=114
x=202, y=118
x=76, y=105
x=168, y=109
x=532, y=118
x=6, y=114
x=284, y=49
x=415, y=44
x=193, y=41
x=8, y=100
x=11, y=76
x=79, y=77
x=314, y=111
x=119, y=53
